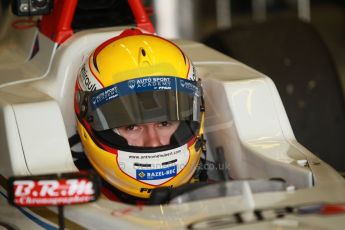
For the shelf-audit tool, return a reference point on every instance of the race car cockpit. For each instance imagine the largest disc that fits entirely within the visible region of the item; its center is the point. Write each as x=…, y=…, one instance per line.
x=247, y=131
x=253, y=161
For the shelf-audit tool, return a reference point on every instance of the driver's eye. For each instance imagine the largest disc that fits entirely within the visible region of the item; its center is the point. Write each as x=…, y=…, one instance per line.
x=164, y=123
x=131, y=127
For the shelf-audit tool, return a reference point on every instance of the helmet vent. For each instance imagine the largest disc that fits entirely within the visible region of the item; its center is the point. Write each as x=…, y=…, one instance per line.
x=144, y=59
x=143, y=52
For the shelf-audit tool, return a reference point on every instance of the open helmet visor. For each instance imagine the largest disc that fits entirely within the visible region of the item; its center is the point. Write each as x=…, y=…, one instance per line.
x=142, y=100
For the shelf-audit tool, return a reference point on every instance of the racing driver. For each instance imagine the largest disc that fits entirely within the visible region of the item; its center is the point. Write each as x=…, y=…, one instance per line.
x=140, y=112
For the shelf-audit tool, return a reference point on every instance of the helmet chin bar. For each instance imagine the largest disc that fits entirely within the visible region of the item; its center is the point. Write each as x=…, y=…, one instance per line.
x=154, y=168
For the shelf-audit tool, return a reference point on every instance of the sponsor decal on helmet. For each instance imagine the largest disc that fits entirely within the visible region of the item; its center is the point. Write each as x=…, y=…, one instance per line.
x=143, y=84
x=154, y=168
x=189, y=86
x=154, y=174
x=146, y=190
x=131, y=84
x=104, y=96
x=87, y=81
x=157, y=83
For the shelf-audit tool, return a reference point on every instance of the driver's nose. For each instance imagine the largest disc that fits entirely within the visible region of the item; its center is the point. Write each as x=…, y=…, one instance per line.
x=151, y=137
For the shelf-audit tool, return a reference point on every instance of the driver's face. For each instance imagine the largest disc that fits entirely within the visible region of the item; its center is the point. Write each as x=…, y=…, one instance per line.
x=149, y=134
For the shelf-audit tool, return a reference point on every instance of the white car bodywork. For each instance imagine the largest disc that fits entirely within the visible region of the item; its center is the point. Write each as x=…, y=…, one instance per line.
x=244, y=116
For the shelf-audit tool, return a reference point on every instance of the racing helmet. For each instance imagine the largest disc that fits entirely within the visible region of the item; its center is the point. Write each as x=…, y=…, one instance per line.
x=137, y=78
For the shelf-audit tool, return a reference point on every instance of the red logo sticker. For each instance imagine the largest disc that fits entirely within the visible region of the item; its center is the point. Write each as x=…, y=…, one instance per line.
x=52, y=191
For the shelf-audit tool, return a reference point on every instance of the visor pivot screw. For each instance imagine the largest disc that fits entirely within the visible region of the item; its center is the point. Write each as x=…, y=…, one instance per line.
x=77, y=97
x=90, y=119
x=203, y=143
x=202, y=106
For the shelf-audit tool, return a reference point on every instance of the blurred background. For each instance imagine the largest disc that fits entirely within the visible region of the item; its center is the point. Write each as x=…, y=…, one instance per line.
x=300, y=44
x=197, y=19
